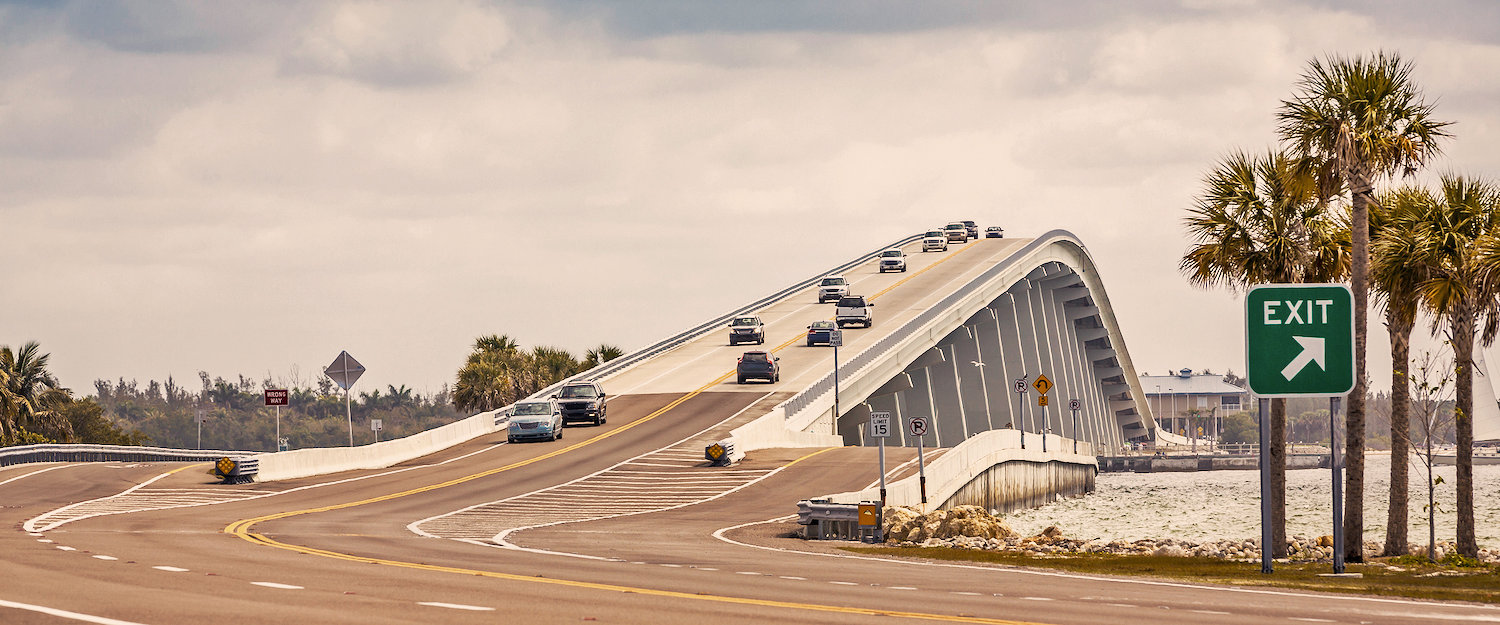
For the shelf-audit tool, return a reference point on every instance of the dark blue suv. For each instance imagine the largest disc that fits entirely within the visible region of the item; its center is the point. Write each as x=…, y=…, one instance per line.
x=758, y=365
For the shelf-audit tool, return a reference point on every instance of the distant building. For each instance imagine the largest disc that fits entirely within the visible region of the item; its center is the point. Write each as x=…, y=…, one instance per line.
x=1186, y=402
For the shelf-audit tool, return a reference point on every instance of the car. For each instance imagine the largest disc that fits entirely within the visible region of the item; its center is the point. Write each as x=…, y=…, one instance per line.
x=854, y=309
x=832, y=288
x=972, y=227
x=537, y=419
x=893, y=259
x=581, y=401
x=747, y=329
x=820, y=332
x=994, y=232
x=758, y=365
x=957, y=232
x=934, y=241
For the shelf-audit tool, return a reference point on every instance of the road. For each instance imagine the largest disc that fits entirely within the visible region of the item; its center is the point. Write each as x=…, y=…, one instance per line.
x=616, y=524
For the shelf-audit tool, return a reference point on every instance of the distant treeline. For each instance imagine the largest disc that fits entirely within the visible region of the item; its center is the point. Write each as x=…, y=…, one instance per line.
x=238, y=419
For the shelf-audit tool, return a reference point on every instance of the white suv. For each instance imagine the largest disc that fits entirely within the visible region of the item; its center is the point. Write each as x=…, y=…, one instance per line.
x=854, y=309
x=832, y=288
x=934, y=241
x=957, y=232
x=893, y=259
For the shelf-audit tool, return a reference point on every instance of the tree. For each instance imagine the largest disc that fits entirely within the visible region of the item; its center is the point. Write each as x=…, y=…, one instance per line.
x=1460, y=245
x=1355, y=120
x=498, y=372
x=32, y=396
x=1397, y=274
x=1427, y=402
x=1259, y=221
x=600, y=354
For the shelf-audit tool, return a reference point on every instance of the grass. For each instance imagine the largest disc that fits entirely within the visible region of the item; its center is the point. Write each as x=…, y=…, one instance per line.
x=1412, y=577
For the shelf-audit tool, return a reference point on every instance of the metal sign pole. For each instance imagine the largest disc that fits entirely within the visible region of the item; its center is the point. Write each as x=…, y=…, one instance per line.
x=1336, y=463
x=922, y=473
x=1021, y=408
x=1075, y=430
x=278, y=428
x=1046, y=427
x=349, y=412
x=882, y=480
x=1265, y=486
x=836, y=386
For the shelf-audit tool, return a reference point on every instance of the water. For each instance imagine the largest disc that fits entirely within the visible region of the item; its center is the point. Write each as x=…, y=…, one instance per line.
x=1215, y=505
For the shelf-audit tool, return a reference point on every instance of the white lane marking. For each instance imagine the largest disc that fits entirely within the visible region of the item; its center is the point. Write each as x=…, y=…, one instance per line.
x=44, y=540
x=1215, y=612
x=1038, y=598
x=793, y=577
x=903, y=588
x=967, y=593
x=170, y=569
x=277, y=586
x=87, y=618
x=707, y=568
x=719, y=534
x=61, y=466
x=1310, y=620
x=103, y=557
x=747, y=573
x=844, y=583
x=1122, y=605
x=66, y=548
x=456, y=606
x=675, y=566
x=36, y=535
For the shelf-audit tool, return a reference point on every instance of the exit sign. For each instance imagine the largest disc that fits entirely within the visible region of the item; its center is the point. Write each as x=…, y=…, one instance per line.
x=1299, y=340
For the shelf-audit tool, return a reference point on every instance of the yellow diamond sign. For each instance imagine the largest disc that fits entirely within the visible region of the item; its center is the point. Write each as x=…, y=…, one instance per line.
x=1042, y=384
x=225, y=466
x=715, y=451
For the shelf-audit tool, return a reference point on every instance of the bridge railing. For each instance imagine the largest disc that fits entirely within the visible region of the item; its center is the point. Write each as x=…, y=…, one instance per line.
x=801, y=401
x=66, y=452
x=620, y=364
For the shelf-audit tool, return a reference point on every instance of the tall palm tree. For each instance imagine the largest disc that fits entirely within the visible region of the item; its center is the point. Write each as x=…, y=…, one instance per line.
x=1259, y=221
x=1396, y=272
x=1356, y=120
x=33, y=396
x=600, y=354
x=1460, y=245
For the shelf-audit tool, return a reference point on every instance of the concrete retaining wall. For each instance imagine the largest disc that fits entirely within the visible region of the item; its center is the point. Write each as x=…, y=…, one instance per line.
x=992, y=467
x=297, y=463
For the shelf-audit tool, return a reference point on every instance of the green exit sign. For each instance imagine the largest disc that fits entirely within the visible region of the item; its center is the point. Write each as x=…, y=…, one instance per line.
x=1299, y=340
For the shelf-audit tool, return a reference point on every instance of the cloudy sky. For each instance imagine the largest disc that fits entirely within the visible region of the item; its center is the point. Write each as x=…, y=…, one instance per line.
x=248, y=188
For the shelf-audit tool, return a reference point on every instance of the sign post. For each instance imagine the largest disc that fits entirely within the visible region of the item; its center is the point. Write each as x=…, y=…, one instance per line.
x=277, y=397
x=880, y=428
x=836, y=339
x=1020, y=386
x=1042, y=385
x=200, y=418
x=919, y=430
x=1074, y=405
x=345, y=371
x=1299, y=342
x=376, y=426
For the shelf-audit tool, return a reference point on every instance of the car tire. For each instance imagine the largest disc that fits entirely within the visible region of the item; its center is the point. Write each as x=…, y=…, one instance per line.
x=762, y=341
x=742, y=380
x=557, y=436
x=510, y=439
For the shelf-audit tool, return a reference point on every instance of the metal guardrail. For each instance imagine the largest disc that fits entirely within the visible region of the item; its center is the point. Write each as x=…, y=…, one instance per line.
x=799, y=402
x=825, y=520
x=618, y=364
x=65, y=452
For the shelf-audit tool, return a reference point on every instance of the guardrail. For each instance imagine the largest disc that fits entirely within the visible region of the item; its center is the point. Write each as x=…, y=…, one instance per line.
x=671, y=342
x=848, y=369
x=68, y=452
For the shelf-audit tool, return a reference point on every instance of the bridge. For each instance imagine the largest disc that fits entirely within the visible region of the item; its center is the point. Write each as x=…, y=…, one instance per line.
x=627, y=522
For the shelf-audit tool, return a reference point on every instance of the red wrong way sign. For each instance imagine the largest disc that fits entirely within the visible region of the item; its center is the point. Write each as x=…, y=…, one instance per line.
x=276, y=397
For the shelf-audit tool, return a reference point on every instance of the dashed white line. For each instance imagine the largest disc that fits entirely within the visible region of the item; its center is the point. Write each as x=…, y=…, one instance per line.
x=1215, y=612
x=277, y=586
x=844, y=583
x=1122, y=605
x=747, y=573
x=967, y=593
x=170, y=569
x=66, y=548
x=1038, y=598
x=707, y=568
x=794, y=578
x=902, y=588
x=44, y=540
x=456, y=606
x=104, y=557
x=1310, y=620
x=675, y=566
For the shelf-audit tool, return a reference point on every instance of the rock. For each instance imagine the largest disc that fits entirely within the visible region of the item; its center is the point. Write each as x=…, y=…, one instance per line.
x=1171, y=551
x=1325, y=541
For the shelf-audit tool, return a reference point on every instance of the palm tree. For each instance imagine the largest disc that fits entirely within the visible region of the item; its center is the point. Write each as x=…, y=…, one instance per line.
x=1397, y=274
x=1356, y=120
x=600, y=354
x=1460, y=245
x=1259, y=221
x=32, y=396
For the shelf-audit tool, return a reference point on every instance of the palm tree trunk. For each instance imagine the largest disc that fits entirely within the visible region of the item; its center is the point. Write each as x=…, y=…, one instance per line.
x=1354, y=425
x=1463, y=425
x=1277, y=446
x=1400, y=327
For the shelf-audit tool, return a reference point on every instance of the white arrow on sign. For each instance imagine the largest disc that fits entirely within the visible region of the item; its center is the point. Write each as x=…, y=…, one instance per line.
x=1312, y=351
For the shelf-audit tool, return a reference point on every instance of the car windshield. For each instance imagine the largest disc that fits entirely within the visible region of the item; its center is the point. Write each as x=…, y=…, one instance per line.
x=833, y=281
x=895, y=253
x=756, y=357
x=969, y=223
x=955, y=227
x=852, y=302
x=994, y=228
x=934, y=233
x=822, y=325
x=533, y=408
x=575, y=392
x=746, y=321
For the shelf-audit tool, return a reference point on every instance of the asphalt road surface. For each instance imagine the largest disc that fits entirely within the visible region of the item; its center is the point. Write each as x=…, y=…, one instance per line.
x=622, y=523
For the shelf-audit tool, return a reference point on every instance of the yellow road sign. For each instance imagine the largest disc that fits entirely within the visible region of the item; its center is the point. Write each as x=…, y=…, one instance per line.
x=1042, y=385
x=1041, y=400
x=715, y=451
x=225, y=466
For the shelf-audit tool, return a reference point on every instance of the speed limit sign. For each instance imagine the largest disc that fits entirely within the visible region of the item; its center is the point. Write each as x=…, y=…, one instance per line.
x=919, y=426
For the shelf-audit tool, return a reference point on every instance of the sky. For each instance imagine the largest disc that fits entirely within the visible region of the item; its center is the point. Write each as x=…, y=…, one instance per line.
x=250, y=188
